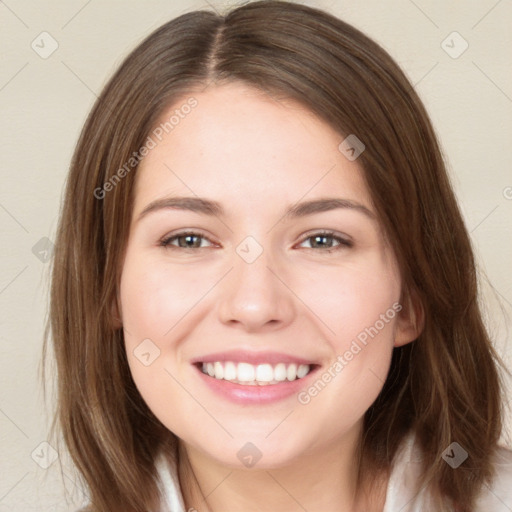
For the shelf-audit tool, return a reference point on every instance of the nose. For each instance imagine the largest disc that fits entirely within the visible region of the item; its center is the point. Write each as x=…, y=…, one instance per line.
x=254, y=296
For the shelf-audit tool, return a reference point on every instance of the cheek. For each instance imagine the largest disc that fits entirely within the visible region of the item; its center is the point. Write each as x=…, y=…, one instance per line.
x=359, y=308
x=154, y=297
x=358, y=301
x=151, y=305
x=160, y=304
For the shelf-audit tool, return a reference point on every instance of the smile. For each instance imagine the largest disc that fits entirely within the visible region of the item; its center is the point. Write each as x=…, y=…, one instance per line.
x=255, y=375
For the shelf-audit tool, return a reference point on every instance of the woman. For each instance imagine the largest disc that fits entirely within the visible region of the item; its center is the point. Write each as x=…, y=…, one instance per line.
x=264, y=296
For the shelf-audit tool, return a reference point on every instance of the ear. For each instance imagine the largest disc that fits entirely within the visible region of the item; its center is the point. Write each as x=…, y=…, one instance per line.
x=411, y=319
x=116, y=314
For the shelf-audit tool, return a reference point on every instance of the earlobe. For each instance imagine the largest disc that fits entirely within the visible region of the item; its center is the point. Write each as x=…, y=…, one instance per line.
x=410, y=321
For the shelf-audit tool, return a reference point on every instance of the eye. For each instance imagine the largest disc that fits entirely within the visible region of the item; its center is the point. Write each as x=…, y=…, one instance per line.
x=185, y=240
x=324, y=240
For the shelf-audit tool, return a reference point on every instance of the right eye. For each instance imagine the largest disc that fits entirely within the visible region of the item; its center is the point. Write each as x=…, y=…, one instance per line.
x=185, y=240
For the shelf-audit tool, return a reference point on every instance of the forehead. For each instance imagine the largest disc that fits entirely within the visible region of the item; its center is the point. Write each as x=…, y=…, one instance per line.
x=241, y=145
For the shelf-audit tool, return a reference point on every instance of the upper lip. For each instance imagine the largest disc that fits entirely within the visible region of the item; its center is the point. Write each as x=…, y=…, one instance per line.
x=251, y=357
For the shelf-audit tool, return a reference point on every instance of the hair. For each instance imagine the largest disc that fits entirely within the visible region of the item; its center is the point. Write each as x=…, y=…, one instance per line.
x=444, y=386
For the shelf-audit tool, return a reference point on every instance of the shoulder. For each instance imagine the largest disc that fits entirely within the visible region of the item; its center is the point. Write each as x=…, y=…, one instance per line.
x=496, y=496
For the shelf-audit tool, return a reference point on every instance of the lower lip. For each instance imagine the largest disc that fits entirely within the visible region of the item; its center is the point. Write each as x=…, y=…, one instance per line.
x=249, y=394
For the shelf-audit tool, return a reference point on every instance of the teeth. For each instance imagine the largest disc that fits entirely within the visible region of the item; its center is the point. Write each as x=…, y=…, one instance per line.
x=280, y=372
x=219, y=371
x=264, y=373
x=302, y=371
x=230, y=371
x=244, y=372
x=291, y=372
x=261, y=374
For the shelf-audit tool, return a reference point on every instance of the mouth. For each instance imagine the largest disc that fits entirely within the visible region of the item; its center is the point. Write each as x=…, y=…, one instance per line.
x=249, y=377
x=247, y=374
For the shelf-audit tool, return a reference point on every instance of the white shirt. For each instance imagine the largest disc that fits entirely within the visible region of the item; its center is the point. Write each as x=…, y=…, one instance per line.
x=401, y=491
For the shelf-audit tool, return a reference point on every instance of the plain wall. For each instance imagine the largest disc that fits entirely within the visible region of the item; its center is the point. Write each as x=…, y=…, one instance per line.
x=44, y=102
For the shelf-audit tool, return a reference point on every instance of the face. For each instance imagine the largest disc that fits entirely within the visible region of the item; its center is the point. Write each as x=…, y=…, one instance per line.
x=264, y=308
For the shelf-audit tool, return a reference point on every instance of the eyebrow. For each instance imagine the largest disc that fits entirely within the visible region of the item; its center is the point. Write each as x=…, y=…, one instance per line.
x=214, y=208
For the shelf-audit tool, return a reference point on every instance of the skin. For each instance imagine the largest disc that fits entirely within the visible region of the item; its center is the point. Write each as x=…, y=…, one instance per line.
x=256, y=156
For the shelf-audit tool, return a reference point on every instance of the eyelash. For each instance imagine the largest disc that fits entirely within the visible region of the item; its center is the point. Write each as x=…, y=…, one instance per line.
x=343, y=243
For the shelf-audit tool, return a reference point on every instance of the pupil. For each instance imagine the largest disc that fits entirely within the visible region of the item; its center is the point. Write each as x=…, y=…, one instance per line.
x=189, y=240
x=322, y=238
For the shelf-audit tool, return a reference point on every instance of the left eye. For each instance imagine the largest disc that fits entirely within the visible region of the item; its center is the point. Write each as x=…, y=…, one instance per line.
x=321, y=240
x=193, y=240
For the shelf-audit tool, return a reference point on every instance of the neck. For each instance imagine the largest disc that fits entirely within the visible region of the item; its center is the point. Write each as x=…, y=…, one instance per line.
x=321, y=481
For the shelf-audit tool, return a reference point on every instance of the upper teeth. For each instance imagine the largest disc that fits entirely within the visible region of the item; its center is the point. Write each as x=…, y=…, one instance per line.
x=245, y=373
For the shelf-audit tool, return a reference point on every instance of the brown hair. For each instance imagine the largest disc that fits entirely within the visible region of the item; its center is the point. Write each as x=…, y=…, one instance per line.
x=444, y=386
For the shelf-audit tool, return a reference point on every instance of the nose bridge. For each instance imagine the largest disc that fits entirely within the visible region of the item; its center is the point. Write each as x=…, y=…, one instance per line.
x=252, y=294
x=251, y=270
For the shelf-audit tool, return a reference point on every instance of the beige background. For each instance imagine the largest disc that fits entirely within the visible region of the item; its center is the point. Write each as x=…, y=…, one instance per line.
x=44, y=102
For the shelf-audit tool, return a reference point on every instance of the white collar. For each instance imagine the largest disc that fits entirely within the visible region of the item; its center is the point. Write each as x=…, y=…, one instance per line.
x=402, y=493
